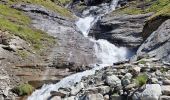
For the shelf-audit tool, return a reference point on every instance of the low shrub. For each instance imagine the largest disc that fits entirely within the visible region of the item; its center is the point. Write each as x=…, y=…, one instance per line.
x=141, y=79
x=23, y=89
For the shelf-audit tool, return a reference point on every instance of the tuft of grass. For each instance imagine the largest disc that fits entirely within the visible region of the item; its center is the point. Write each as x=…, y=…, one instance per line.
x=141, y=79
x=23, y=89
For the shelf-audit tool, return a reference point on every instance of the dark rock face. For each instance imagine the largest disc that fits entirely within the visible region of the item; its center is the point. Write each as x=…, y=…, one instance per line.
x=152, y=25
x=157, y=44
x=72, y=49
x=122, y=30
x=95, y=2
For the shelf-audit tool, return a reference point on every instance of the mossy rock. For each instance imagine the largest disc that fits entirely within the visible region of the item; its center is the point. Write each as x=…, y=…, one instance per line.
x=23, y=89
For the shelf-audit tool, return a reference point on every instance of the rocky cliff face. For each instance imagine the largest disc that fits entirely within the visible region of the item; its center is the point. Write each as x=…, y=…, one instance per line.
x=157, y=44
x=122, y=30
x=72, y=50
x=71, y=53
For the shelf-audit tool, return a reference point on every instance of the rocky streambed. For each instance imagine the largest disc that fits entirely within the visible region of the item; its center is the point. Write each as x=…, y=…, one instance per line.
x=145, y=76
x=146, y=79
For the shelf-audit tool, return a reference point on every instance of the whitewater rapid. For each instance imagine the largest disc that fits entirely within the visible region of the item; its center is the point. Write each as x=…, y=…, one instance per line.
x=106, y=53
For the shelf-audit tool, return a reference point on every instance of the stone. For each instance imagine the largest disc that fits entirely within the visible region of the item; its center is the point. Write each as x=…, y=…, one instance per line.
x=163, y=97
x=113, y=80
x=100, y=89
x=97, y=96
x=158, y=73
x=125, y=82
x=166, y=82
x=75, y=89
x=157, y=45
x=106, y=97
x=154, y=81
x=128, y=76
x=151, y=92
x=115, y=97
x=2, y=97
x=165, y=89
x=56, y=98
x=136, y=70
x=70, y=98
x=136, y=96
x=55, y=93
x=130, y=86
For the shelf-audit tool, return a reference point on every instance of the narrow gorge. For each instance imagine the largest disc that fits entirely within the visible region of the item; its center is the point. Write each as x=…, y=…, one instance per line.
x=85, y=50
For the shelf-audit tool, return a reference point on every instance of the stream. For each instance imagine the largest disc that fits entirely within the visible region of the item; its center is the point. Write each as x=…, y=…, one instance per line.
x=106, y=53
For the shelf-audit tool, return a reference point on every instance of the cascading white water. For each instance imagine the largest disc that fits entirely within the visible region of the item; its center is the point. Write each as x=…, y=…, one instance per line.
x=84, y=24
x=106, y=53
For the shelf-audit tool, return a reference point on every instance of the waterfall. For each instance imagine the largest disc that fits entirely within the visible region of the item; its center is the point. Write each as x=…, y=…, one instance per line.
x=106, y=53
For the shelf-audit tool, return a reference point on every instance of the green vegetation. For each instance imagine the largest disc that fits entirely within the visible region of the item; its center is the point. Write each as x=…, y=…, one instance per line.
x=160, y=7
x=18, y=24
x=48, y=4
x=23, y=89
x=141, y=79
x=165, y=11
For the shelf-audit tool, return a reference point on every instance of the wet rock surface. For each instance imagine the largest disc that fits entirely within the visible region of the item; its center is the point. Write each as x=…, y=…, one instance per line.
x=122, y=30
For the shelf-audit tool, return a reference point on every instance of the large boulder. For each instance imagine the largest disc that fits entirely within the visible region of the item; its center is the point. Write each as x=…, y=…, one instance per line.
x=122, y=30
x=97, y=96
x=157, y=44
x=113, y=80
x=152, y=92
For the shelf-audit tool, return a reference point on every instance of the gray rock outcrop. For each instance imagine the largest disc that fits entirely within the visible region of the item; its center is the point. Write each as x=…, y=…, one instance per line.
x=122, y=30
x=72, y=50
x=157, y=44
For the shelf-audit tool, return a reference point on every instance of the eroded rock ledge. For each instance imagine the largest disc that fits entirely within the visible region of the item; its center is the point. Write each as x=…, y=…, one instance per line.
x=122, y=30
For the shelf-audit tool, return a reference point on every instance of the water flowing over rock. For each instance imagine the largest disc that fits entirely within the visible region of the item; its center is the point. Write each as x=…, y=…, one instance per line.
x=121, y=30
x=102, y=52
x=72, y=50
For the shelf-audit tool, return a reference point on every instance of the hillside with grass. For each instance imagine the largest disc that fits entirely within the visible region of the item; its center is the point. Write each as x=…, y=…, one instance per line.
x=19, y=24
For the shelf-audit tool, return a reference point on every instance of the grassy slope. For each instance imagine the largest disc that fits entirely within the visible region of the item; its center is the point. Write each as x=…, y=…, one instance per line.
x=18, y=24
x=48, y=4
x=160, y=7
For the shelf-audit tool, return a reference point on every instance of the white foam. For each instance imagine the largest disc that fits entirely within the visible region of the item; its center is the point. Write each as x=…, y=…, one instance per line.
x=108, y=53
x=84, y=24
x=44, y=92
